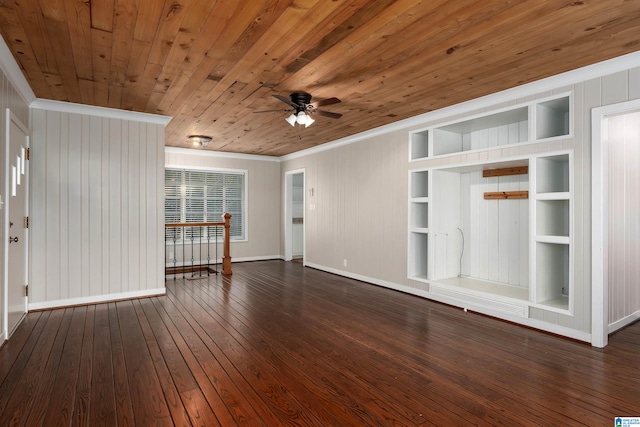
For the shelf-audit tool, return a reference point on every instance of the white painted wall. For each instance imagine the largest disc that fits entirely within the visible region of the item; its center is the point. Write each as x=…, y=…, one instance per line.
x=97, y=210
x=263, y=197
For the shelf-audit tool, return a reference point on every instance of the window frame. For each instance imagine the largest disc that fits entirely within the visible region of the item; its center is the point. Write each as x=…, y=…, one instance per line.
x=244, y=202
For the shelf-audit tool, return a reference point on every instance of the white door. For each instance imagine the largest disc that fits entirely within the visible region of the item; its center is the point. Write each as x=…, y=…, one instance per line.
x=16, y=235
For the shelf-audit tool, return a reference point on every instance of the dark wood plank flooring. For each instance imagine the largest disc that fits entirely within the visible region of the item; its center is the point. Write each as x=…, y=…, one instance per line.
x=280, y=344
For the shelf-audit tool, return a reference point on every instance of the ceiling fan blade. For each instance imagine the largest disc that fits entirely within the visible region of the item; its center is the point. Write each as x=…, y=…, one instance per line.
x=273, y=111
x=328, y=101
x=328, y=114
x=285, y=100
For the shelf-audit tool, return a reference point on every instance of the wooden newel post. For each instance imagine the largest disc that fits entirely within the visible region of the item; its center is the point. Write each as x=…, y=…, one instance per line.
x=226, y=259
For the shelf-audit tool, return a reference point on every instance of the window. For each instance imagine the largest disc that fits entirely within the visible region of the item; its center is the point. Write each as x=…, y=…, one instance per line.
x=204, y=196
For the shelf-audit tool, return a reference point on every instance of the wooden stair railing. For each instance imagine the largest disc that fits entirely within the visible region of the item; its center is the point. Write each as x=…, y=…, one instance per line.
x=226, y=257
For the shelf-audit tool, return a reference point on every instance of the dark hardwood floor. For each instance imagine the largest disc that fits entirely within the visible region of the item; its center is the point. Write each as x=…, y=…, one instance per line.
x=280, y=344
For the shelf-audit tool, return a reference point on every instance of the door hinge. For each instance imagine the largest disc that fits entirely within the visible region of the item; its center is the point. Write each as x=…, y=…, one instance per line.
x=26, y=153
x=26, y=222
x=26, y=291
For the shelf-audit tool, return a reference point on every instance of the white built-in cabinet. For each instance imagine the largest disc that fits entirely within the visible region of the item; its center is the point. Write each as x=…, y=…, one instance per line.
x=494, y=232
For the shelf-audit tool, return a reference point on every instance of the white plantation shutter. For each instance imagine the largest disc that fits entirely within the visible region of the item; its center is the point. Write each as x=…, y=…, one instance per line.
x=204, y=196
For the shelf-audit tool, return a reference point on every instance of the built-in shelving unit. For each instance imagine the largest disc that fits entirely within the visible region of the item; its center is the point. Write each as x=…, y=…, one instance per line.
x=419, y=183
x=553, y=252
x=494, y=233
x=529, y=122
x=420, y=144
x=552, y=118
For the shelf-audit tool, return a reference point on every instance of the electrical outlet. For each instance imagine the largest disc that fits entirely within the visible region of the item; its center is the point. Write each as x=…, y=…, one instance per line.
x=344, y=262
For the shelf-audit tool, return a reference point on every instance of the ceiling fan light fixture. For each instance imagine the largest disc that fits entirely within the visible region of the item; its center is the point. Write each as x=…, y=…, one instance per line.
x=309, y=121
x=302, y=118
x=201, y=140
x=291, y=119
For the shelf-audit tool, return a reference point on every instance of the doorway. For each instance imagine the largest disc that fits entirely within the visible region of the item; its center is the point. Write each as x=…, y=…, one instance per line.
x=294, y=242
x=15, y=220
x=615, y=220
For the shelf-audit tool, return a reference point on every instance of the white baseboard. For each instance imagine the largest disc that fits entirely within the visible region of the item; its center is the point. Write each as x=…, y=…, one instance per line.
x=378, y=282
x=619, y=324
x=256, y=258
x=533, y=323
x=97, y=299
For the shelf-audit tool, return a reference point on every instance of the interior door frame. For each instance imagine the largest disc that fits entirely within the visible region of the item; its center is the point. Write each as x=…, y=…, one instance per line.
x=288, y=214
x=600, y=219
x=10, y=117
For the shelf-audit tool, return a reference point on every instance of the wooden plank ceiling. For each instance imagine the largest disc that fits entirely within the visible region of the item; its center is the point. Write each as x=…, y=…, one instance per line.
x=210, y=64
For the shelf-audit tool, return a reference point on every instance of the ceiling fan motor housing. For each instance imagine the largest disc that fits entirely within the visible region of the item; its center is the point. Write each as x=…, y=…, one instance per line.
x=300, y=98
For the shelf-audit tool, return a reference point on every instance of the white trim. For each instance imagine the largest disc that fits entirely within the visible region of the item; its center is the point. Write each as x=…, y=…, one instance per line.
x=9, y=118
x=13, y=72
x=206, y=169
x=533, y=323
x=91, y=110
x=599, y=218
x=256, y=258
x=288, y=215
x=219, y=154
x=568, y=78
x=624, y=322
x=371, y=280
x=5, y=226
x=97, y=299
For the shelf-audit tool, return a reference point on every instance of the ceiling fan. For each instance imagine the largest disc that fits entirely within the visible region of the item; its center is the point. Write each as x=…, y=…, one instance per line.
x=302, y=108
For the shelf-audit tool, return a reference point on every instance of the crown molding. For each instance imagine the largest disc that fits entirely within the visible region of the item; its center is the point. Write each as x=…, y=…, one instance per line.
x=220, y=154
x=568, y=78
x=91, y=110
x=12, y=70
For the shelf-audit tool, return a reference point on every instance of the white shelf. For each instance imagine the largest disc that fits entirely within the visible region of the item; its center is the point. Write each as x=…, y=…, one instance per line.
x=531, y=122
x=556, y=240
x=552, y=174
x=553, y=218
x=493, y=130
x=553, y=118
x=420, y=200
x=557, y=305
x=418, y=253
x=419, y=145
x=420, y=230
x=422, y=278
x=486, y=287
x=561, y=195
x=419, y=187
x=553, y=283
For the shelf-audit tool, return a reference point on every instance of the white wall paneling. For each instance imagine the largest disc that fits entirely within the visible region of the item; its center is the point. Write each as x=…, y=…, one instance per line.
x=97, y=208
x=615, y=226
x=623, y=153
